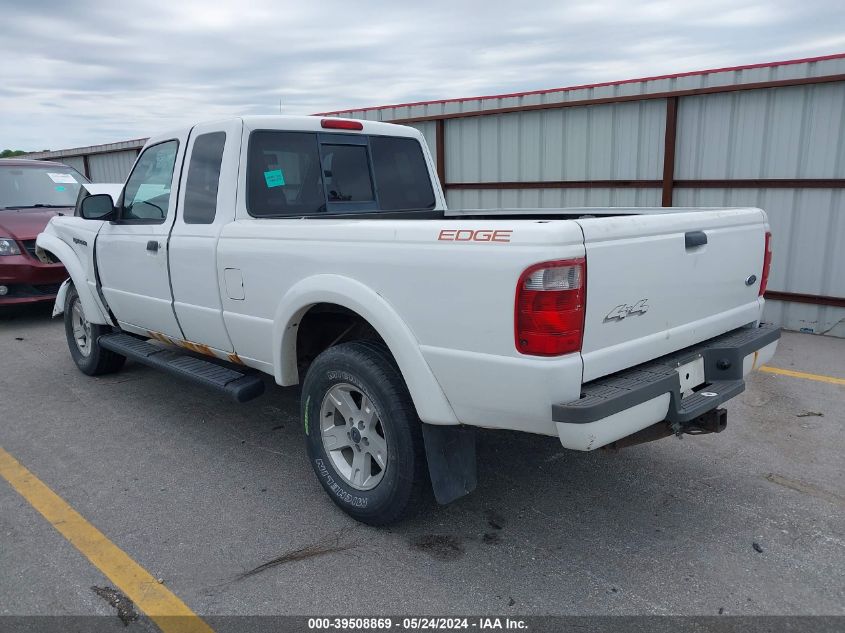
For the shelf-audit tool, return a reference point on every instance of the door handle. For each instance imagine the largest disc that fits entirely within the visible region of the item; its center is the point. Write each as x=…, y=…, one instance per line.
x=152, y=246
x=695, y=238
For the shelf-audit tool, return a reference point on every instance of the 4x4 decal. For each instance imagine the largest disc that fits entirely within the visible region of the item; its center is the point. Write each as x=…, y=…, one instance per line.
x=624, y=310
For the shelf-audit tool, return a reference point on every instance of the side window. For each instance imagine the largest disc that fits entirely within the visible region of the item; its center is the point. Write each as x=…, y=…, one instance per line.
x=283, y=174
x=204, y=178
x=401, y=174
x=147, y=192
x=346, y=172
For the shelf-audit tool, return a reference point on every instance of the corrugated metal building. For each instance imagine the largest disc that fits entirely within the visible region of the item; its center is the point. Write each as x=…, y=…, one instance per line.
x=100, y=163
x=767, y=135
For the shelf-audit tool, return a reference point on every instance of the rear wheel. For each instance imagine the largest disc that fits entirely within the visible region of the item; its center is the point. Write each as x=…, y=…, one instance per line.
x=362, y=432
x=82, y=338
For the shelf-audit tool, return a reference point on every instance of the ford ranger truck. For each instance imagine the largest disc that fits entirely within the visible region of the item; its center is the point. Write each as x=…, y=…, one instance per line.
x=320, y=251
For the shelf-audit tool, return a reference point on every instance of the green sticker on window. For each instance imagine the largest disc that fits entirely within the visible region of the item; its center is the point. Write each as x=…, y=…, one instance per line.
x=274, y=178
x=59, y=188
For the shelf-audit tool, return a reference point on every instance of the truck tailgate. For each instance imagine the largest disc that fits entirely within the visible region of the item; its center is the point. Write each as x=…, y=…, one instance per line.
x=659, y=283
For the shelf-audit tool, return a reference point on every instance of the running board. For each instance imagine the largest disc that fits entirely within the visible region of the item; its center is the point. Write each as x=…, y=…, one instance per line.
x=237, y=385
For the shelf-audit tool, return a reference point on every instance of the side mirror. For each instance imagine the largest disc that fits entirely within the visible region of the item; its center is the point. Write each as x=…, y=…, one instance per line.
x=97, y=207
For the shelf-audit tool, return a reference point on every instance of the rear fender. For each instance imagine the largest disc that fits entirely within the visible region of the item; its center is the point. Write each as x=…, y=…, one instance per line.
x=429, y=399
x=95, y=311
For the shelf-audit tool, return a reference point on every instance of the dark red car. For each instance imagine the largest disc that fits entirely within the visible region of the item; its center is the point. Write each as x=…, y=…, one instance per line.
x=31, y=192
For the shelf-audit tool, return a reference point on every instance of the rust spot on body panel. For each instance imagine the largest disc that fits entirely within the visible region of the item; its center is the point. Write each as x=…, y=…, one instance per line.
x=199, y=348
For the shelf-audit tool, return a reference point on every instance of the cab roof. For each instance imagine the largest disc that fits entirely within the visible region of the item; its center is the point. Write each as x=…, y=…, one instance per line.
x=298, y=123
x=314, y=124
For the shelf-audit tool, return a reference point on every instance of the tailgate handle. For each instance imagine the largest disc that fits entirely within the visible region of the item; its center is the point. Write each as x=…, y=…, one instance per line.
x=695, y=238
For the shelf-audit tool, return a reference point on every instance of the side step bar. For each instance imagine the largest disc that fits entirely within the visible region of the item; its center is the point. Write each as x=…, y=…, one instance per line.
x=237, y=385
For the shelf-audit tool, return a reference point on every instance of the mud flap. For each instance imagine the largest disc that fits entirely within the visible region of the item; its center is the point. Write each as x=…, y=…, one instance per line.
x=450, y=451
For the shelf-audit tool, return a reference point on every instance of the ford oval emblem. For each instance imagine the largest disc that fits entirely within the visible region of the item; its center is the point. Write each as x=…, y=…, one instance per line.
x=749, y=281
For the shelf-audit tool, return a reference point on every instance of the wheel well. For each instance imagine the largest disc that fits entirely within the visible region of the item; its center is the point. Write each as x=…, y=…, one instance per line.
x=46, y=256
x=325, y=325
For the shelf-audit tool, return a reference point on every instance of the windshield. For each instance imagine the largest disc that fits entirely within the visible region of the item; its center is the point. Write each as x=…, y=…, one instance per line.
x=47, y=186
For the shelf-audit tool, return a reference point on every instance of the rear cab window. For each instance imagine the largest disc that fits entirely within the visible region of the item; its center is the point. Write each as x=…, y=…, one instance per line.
x=296, y=174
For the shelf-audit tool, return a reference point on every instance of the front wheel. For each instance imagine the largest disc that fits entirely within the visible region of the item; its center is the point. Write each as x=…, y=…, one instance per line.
x=363, y=435
x=82, y=338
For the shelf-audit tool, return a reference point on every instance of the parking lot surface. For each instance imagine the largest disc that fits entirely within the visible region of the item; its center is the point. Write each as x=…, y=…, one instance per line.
x=200, y=491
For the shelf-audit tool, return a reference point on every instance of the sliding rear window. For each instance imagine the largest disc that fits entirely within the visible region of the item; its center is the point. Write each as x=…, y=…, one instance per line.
x=307, y=173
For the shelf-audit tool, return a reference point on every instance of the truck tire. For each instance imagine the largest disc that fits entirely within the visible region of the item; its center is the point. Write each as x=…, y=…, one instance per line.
x=363, y=436
x=82, y=338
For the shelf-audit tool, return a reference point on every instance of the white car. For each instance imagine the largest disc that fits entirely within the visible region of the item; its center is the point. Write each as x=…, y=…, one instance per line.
x=321, y=252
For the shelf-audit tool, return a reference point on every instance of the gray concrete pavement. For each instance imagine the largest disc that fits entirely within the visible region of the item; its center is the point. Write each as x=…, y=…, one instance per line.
x=199, y=490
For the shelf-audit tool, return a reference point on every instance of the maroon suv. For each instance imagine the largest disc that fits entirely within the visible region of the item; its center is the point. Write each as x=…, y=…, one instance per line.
x=31, y=192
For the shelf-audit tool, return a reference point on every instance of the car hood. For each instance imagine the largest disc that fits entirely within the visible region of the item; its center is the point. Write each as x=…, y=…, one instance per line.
x=26, y=224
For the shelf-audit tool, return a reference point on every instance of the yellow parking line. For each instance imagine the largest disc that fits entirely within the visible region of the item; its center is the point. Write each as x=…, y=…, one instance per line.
x=161, y=605
x=805, y=376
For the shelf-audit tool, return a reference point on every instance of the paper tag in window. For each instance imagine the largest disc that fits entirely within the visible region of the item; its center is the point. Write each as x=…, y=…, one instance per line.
x=66, y=178
x=274, y=178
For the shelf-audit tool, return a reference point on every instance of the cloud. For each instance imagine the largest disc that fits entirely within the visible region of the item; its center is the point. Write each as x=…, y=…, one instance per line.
x=89, y=71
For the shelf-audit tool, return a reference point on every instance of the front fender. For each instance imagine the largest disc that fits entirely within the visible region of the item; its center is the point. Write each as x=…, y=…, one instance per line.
x=429, y=399
x=94, y=310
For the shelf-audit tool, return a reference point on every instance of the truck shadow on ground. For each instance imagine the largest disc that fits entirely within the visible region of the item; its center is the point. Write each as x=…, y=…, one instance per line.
x=532, y=493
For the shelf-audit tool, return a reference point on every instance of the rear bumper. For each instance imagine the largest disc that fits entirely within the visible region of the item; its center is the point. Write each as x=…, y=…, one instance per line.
x=29, y=280
x=618, y=405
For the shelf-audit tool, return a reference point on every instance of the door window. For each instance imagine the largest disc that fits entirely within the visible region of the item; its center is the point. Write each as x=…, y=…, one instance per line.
x=147, y=194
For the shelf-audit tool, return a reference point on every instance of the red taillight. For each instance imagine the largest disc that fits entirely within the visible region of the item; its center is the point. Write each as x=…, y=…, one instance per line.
x=341, y=124
x=767, y=262
x=549, y=313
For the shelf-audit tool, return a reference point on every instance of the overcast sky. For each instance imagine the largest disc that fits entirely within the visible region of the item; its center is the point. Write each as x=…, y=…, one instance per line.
x=83, y=72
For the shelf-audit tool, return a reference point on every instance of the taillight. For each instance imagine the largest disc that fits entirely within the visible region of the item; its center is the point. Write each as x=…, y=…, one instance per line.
x=549, y=313
x=767, y=263
x=341, y=124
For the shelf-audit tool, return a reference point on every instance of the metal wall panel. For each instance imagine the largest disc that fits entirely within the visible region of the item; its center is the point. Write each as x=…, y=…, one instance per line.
x=89, y=150
x=621, y=141
x=803, y=317
x=112, y=167
x=77, y=162
x=551, y=198
x=791, y=132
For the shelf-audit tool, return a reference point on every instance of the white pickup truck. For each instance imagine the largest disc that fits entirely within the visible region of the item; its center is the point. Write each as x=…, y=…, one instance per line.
x=321, y=252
